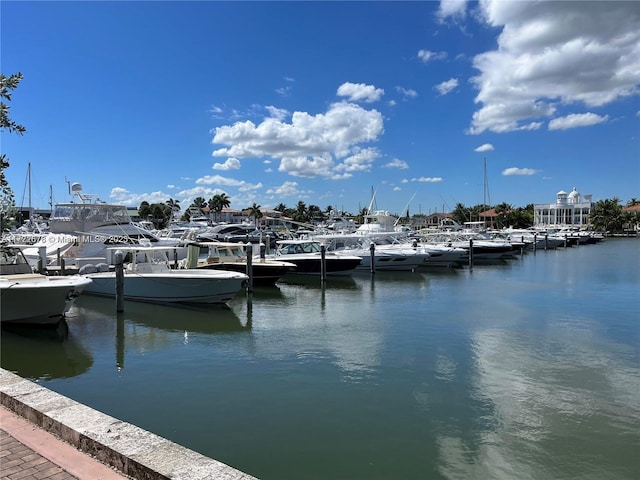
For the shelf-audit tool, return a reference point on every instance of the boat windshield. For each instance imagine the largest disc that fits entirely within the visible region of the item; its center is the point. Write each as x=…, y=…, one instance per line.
x=70, y=217
x=293, y=248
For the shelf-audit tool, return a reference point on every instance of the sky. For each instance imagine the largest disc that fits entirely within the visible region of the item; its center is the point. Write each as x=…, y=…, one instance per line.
x=428, y=104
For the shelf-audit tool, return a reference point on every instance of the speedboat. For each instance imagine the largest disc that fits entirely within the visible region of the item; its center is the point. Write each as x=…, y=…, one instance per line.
x=386, y=254
x=33, y=298
x=148, y=277
x=232, y=256
x=307, y=256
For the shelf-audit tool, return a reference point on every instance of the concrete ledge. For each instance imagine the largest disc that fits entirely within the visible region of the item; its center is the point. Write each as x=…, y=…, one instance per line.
x=131, y=450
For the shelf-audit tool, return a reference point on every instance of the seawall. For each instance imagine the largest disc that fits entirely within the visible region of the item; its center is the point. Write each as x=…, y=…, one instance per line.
x=135, y=452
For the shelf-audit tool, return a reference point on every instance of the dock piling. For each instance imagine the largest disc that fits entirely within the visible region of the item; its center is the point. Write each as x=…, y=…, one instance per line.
x=119, y=268
x=323, y=263
x=372, y=255
x=250, y=267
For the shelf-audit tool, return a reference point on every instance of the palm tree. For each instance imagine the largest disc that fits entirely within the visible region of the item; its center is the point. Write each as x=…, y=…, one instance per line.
x=503, y=212
x=174, y=205
x=254, y=211
x=218, y=202
x=313, y=212
x=606, y=215
x=300, y=214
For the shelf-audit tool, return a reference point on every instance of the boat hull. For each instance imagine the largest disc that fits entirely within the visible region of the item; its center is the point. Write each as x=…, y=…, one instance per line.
x=38, y=301
x=264, y=274
x=335, y=265
x=201, y=286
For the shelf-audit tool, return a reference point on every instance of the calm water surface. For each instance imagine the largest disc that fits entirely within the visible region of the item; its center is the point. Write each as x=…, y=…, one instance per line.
x=524, y=370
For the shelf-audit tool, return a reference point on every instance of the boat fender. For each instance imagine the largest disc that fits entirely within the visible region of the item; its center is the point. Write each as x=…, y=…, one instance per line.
x=102, y=267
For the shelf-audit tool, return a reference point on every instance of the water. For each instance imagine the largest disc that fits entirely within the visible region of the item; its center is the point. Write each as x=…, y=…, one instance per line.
x=528, y=369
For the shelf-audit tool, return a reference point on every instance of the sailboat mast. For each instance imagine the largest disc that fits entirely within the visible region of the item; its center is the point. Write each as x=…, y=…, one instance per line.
x=485, y=196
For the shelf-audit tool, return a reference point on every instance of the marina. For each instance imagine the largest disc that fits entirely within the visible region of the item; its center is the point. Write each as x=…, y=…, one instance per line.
x=520, y=368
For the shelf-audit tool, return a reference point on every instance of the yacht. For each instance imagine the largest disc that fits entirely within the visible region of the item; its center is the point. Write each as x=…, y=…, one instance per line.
x=149, y=277
x=306, y=254
x=232, y=256
x=32, y=298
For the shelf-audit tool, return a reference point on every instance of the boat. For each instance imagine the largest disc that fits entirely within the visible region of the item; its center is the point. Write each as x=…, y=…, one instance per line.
x=32, y=298
x=306, y=254
x=232, y=256
x=149, y=277
x=85, y=227
x=387, y=254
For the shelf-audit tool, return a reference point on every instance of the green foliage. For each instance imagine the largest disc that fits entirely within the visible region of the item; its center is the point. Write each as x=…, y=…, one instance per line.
x=606, y=215
x=7, y=200
x=218, y=202
x=254, y=211
x=158, y=213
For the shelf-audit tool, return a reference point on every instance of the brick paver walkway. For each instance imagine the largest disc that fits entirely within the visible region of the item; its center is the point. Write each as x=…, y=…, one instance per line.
x=19, y=462
x=27, y=452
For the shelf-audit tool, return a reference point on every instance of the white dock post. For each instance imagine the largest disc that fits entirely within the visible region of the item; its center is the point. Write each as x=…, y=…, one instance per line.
x=250, y=266
x=119, y=264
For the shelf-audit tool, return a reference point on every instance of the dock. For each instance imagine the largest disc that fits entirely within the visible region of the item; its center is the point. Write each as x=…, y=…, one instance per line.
x=126, y=449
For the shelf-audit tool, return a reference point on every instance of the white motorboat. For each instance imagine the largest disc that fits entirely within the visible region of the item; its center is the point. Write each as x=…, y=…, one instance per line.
x=86, y=227
x=148, y=277
x=232, y=256
x=32, y=298
x=387, y=254
x=307, y=256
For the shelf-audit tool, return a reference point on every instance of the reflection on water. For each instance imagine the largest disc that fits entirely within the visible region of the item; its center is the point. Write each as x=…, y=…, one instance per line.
x=170, y=318
x=52, y=352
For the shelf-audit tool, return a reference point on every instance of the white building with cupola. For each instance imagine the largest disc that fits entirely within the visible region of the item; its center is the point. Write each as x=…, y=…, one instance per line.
x=570, y=209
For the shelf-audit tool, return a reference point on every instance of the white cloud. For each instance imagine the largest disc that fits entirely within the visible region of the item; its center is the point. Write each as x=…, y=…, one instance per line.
x=406, y=92
x=487, y=147
x=307, y=166
x=518, y=171
x=446, y=87
x=247, y=187
x=287, y=189
x=360, y=161
x=311, y=145
x=229, y=164
x=427, y=55
x=427, y=179
x=277, y=113
x=397, y=163
x=219, y=180
x=284, y=91
x=553, y=54
x=577, y=120
x=123, y=196
x=452, y=8
x=359, y=92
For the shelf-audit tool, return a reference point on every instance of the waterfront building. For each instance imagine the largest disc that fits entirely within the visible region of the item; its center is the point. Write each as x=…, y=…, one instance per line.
x=571, y=209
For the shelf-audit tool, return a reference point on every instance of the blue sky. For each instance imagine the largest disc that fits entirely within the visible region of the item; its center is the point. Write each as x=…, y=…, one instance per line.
x=277, y=102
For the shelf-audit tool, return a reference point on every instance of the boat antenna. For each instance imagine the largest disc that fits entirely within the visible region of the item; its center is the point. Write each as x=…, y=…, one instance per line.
x=406, y=209
x=371, y=203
